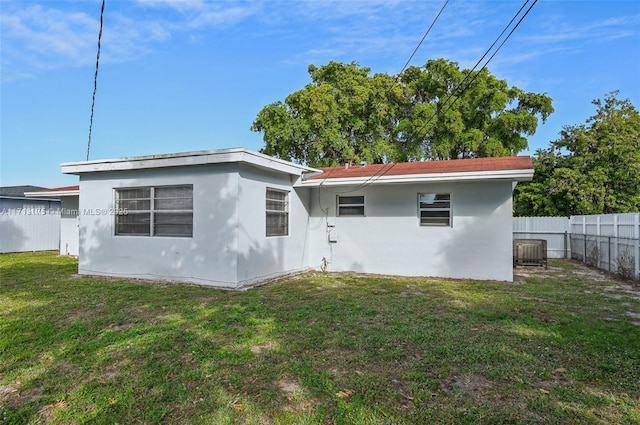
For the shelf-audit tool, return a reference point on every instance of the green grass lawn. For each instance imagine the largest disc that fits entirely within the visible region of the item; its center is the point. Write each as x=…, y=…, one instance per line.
x=559, y=347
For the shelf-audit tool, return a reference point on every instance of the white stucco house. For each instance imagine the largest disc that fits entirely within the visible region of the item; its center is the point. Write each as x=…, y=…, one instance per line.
x=233, y=217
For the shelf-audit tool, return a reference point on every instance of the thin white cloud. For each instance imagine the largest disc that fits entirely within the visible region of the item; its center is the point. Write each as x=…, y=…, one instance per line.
x=38, y=37
x=212, y=17
x=48, y=31
x=56, y=35
x=198, y=14
x=181, y=6
x=598, y=31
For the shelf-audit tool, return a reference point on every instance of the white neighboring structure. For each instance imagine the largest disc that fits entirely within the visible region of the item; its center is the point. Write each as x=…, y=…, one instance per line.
x=28, y=224
x=68, y=210
x=232, y=217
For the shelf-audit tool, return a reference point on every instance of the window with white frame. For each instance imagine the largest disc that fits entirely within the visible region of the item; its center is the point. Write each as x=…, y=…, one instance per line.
x=155, y=211
x=351, y=206
x=434, y=209
x=277, y=212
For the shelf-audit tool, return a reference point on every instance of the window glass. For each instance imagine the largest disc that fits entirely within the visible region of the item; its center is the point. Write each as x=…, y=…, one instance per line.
x=351, y=206
x=155, y=211
x=277, y=212
x=434, y=209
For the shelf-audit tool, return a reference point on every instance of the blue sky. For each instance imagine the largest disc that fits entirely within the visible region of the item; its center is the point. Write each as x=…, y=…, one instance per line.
x=192, y=75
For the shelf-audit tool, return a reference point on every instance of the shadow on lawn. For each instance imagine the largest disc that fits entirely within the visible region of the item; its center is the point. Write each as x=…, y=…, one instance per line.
x=318, y=349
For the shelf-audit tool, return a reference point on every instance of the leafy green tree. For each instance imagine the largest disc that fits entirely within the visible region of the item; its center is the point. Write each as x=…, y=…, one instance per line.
x=438, y=111
x=593, y=168
x=457, y=113
x=343, y=116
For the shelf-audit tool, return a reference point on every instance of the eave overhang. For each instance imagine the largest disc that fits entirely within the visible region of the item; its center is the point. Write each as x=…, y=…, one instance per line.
x=219, y=156
x=507, y=175
x=54, y=193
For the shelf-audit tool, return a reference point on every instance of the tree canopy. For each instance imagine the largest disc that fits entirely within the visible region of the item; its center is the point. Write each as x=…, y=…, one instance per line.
x=346, y=115
x=593, y=168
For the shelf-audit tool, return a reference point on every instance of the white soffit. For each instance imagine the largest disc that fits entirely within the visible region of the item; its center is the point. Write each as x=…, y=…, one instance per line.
x=50, y=193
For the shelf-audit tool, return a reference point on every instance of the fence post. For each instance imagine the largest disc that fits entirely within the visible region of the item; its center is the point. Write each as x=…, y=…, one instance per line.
x=584, y=237
x=566, y=253
x=598, y=249
x=584, y=253
x=636, y=254
x=609, y=247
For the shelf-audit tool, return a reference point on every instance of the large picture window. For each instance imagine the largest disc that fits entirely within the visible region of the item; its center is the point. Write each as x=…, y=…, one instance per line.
x=155, y=211
x=434, y=209
x=277, y=212
x=351, y=206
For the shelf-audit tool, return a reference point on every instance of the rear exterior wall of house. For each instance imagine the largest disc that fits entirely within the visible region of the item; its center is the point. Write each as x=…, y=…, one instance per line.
x=228, y=246
x=207, y=257
x=390, y=239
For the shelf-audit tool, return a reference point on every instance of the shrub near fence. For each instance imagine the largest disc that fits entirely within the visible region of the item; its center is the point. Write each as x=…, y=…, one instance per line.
x=609, y=242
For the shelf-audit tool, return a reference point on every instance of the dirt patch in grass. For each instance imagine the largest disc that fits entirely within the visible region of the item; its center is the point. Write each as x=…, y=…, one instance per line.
x=467, y=384
x=297, y=397
x=577, y=269
x=11, y=397
x=289, y=386
x=522, y=273
x=623, y=291
x=8, y=393
x=257, y=349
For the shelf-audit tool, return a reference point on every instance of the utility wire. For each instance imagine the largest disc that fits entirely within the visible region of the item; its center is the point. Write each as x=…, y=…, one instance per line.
x=385, y=170
x=453, y=92
x=95, y=79
x=423, y=37
x=376, y=176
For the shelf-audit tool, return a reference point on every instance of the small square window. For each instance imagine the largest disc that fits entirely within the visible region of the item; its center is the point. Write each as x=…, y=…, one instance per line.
x=434, y=209
x=351, y=206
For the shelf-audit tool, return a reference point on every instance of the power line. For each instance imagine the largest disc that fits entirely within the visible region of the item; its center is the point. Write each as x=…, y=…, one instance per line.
x=378, y=175
x=423, y=37
x=95, y=80
x=442, y=110
x=385, y=170
x=375, y=176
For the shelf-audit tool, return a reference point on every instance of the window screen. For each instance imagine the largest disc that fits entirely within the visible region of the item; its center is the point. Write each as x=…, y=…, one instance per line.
x=155, y=211
x=434, y=209
x=351, y=206
x=277, y=213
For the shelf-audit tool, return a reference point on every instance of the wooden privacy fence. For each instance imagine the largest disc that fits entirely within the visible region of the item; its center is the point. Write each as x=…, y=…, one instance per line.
x=610, y=242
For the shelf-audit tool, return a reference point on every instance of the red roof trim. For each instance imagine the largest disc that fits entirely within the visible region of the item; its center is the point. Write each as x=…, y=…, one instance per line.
x=427, y=167
x=57, y=189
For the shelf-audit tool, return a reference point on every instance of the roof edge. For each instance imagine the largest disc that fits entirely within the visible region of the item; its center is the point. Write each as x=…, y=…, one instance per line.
x=216, y=156
x=520, y=175
x=52, y=192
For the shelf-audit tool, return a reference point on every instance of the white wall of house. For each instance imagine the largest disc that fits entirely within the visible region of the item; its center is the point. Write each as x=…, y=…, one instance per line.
x=259, y=256
x=209, y=257
x=229, y=247
x=69, y=208
x=390, y=240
